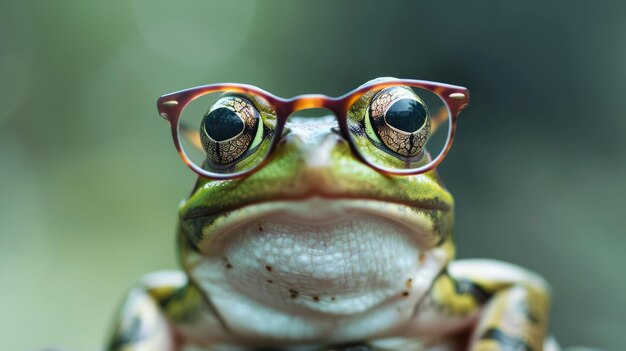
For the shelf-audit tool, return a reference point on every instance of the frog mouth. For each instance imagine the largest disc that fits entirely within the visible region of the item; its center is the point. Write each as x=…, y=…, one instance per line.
x=427, y=221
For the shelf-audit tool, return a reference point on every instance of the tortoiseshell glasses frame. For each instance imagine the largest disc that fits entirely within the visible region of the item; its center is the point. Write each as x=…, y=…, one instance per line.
x=171, y=106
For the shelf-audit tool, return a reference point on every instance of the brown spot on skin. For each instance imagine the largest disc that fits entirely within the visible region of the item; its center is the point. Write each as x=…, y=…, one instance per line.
x=333, y=298
x=270, y=281
x=226, y=263
x=260, y=227
x=405, y=293
x=408, y=283
x=293, y=293
x=422, y=258
x=316, y=298
x=268, y=267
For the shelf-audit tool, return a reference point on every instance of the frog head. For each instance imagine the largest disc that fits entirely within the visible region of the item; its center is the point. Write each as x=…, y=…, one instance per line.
x=315, y=237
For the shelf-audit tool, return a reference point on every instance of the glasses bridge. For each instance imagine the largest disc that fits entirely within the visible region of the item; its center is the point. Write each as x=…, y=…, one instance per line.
x=310, y=101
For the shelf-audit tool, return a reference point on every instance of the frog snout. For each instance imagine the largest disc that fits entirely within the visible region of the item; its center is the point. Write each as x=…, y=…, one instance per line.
x=317, y=160
x=317, y=153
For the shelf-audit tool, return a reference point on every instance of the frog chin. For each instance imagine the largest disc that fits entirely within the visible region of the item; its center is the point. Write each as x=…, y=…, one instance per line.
x=287, y=268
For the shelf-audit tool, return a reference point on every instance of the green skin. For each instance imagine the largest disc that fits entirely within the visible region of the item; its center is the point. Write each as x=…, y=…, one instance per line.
x=464, y=305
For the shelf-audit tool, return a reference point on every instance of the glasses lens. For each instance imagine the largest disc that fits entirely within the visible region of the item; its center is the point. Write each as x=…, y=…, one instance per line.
x=399, y=127
x=226, y=132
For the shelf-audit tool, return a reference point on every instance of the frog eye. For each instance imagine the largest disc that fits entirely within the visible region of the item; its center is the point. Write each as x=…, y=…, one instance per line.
x=228, y=129
x=400, y=120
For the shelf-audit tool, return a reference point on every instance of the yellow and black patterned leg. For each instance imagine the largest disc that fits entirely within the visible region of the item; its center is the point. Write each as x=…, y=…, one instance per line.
x=515, y=319
x=141, y=326
x=509, y=305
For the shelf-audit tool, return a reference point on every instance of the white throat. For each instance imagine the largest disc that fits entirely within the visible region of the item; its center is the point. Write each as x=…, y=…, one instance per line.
x=304, y=271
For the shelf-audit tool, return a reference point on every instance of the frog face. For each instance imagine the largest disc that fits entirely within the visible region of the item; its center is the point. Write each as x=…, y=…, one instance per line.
x=316, y=235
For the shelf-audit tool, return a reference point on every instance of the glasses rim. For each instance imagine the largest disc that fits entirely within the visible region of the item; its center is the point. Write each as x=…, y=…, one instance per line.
x=171, y=106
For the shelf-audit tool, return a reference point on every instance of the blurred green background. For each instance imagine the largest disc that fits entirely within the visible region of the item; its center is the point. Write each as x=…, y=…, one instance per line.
x=91, y=181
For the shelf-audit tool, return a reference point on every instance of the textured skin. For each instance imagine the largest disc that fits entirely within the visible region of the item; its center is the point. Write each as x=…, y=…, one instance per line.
x=317, y=249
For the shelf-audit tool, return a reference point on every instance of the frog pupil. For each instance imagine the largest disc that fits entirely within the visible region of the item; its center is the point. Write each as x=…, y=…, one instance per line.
x=407, y=115
x=222, y=124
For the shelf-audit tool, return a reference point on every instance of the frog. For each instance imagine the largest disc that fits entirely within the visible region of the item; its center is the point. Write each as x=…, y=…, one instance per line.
x=316, y=250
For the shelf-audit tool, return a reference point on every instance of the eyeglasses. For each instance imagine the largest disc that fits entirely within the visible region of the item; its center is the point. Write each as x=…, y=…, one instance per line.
x=395, y=126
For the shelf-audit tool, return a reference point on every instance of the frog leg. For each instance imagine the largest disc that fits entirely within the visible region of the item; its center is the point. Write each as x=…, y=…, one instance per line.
x=503, y=306
x=141, y=324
